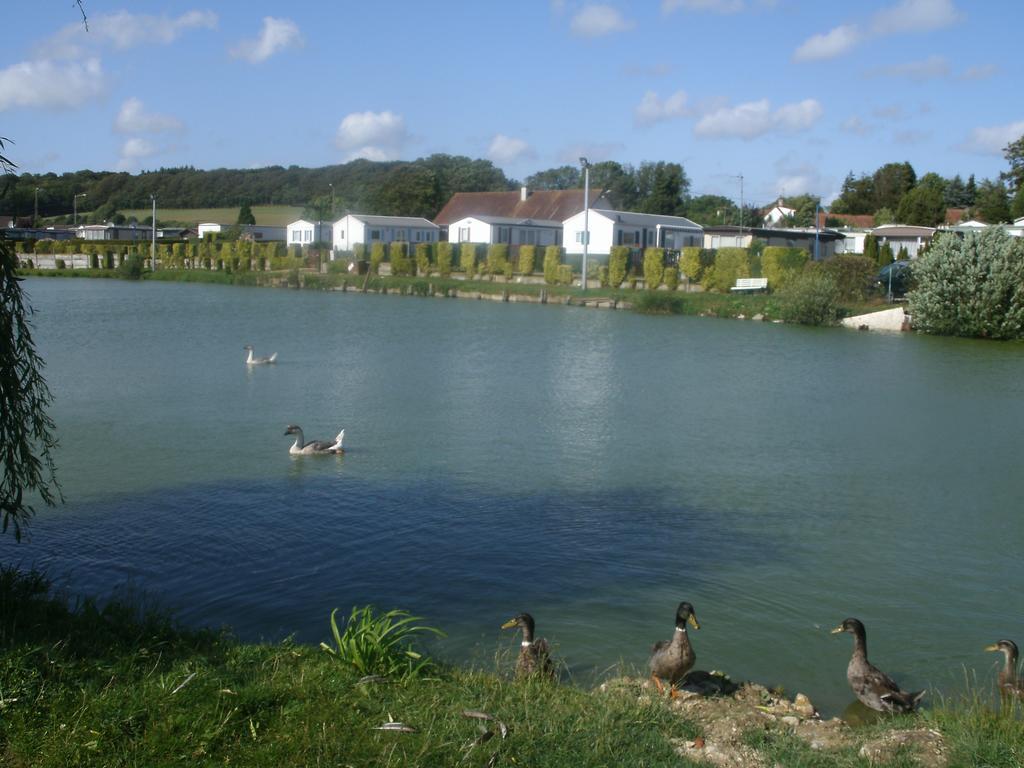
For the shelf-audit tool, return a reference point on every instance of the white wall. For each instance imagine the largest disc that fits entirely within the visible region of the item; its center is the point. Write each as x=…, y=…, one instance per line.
x=479, y=231
x=303, y=232
x=602, y=231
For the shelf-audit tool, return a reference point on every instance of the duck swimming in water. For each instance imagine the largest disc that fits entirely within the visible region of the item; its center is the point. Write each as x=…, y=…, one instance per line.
x=534, y=655
x=1009, y=683
x=672, y=659
x=302, y=448
x=253, y=360
x=875, y=689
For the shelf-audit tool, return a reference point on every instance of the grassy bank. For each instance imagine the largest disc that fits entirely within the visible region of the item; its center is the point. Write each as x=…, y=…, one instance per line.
x=118, y=686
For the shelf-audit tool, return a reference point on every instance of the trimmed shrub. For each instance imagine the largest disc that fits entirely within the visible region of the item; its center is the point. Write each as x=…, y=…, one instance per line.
x=654, y=267
x=602, y=275
x=444, y=259
x=527, y=259
x=467, y=258
x=971, y=287
x=617, y=261
x=854, y=275
x=376, y=257
x=780, y=265
x=730, y=263
x=497, y=258
x=565, y=274
x=507, y=270
x=672, y=278
x=94, y=261
x=422, y=259
x=401, y=264
x=811, y=298
x=61, y=264
x=552, y=261
x=690, y=264
x=131, y=268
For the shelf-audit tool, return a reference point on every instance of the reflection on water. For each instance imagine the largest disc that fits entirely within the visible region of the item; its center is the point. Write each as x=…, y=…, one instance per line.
x=593, y=468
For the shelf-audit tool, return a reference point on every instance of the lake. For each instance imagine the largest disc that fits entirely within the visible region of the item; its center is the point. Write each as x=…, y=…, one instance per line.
x=591, y=467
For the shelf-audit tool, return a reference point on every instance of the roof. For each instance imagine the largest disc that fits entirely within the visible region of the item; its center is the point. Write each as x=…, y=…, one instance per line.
x=516, y=222
x=955, y=215
x=901, y=230
x=394, y=221
x=792, y=233
x=648, y=219
x=863, y=220
x=543, y=204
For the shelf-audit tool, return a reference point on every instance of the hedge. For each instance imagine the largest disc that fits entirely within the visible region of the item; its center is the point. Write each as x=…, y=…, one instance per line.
x=654, y=267
x=781, y=265
x=730, y=264
x=527, y=259
x=617, y=261
x=552, y=261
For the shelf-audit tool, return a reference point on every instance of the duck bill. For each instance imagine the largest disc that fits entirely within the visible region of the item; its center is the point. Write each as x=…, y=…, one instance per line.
x=693, y=621
x=509, y=624
x=837, y=630
x=992, y=648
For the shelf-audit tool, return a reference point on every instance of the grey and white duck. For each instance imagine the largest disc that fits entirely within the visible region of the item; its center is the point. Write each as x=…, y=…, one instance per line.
x=875, y=689
x=301, y=448
x=254, y=360
x=671, y=660
x=534, y=653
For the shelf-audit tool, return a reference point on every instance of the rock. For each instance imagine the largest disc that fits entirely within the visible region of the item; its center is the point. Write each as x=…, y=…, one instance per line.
x=927, y=746
x=758, y=317
x=827, y=734
x=791, y=720
x=802, y=706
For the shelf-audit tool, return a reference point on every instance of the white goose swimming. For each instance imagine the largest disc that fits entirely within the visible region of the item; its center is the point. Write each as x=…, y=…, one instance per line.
x=302, y=448
x=253, y=360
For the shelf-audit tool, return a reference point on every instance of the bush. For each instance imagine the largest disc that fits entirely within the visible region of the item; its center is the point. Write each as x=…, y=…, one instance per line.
x=659, y=303
x=552, y=261
x=854, y=275
x=690, y=264
x=617, y=260
x=602, y=275
x=971, y=287
x=61, y=264
x=654, y=267
x=527, y=259
x=444, y=259
x=565, y=274
x=401, y=264
x=376, y=257
x=380, y=644
x=131, y=268
x=730, y=263
x=507, y=270
x=811, y=298
x=422, y=259
x=671, y=278
x=780, y=265
x=497, y=258
x=467, y=258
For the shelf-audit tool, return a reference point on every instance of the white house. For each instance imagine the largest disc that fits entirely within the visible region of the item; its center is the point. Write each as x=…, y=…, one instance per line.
x=903, y=236
x=853, y=240
x=304, y=232
x=636, y=230
x=115, y=232
x=503, y=229
x=355, y=228
x=777, y=213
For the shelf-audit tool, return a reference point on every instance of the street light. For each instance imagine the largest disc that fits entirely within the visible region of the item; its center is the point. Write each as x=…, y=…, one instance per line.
x=80, y=194
x=152, y=249
x=586, y=219
x=817, y=220
x=332, y=201
x=35, y=216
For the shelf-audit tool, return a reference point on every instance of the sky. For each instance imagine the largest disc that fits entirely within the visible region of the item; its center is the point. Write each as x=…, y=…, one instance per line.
x=792, y=95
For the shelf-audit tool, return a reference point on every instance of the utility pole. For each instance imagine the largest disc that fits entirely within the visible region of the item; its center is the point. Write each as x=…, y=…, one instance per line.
x=586, y=220
x=152, y=248
x=80, y=194
x=35, y=216
x=740, y=177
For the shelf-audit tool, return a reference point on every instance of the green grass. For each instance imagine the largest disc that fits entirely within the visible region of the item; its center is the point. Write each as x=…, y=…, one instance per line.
x=268, y=215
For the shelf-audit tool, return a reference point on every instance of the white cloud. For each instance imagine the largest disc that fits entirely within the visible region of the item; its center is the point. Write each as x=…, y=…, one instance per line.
x=653, y=109
x=829, y=45
x=123, y=30
x=915, y=16
x=372, y=135
x=715, y=6
x=991, y=140
x=756, y=118
x=597, y=21
x=918, y=71
x=855, y=126
x=50, y=84
x=132, y=118
x=277, y=35
x=980, y=72
x=134, y=150
x=506, y=149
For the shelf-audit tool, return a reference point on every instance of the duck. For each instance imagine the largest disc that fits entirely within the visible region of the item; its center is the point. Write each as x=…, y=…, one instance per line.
x=253, y=360
x=302, y=448
x=1009, y=683
x=672, y=659
x=875, y=689
x=534, y=654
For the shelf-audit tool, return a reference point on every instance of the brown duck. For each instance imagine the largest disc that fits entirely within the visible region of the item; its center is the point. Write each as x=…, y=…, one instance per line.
x=534, y=654
x=672, y=659
x=875, y=689
x=1009, y=683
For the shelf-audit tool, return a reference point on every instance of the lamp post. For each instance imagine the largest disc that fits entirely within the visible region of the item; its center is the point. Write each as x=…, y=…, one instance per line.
x=152, y=247
x=332, y=202
x=817, y=219
x=35, y=215
x=80, y=194
x=586, y=220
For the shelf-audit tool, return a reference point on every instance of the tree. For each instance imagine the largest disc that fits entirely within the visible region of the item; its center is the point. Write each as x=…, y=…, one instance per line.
x=992, y=203
x=892, y=181
x=971, y=286
x=956, y=193
x=245, y=215
x=857, y=196
x=923, y=206
x=884, y=216
x=711, y=210
x=1014, y=154
x=563, y=177
x=871, y=250
x=662, y=188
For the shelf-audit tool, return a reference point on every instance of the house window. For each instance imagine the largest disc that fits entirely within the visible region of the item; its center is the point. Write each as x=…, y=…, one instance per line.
x=579, y=236
x=341, y=234
x=463, y=234
x=375, y=234
x=401, y=234
x=504, y=235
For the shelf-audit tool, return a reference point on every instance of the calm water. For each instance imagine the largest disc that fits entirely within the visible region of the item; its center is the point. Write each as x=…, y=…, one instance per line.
x=591, y=467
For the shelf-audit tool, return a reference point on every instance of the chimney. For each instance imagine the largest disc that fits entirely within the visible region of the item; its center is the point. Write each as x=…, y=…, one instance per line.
x=523, y=194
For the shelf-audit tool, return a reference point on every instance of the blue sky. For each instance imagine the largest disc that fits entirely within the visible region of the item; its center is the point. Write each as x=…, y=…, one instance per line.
x=792, y=94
